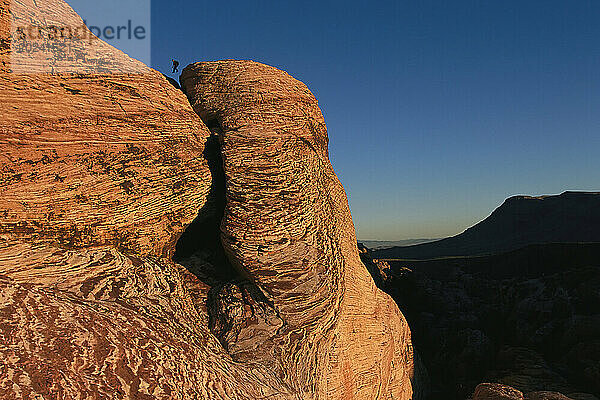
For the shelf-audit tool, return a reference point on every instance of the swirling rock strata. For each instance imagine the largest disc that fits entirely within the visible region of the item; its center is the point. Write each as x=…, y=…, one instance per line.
x=101, y=174
x=287, y=228
x=95, y=323
x=96, y=159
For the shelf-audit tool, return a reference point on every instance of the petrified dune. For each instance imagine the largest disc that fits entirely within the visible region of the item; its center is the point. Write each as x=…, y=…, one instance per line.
x=287, y=227
x=101, y=174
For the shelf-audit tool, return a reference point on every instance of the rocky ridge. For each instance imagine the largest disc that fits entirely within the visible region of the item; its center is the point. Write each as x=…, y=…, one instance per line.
x=571, y=217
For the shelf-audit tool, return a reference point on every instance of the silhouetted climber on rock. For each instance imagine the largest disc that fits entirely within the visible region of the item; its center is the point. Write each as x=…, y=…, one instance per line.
x=175, y=66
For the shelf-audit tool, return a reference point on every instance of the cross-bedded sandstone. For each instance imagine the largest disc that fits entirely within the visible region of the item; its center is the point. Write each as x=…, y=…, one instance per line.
x=100, y=175
x=287, y=227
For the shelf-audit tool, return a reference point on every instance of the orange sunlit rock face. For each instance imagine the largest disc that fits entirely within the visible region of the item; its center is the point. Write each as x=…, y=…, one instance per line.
x=287, y=225
x=100, y=176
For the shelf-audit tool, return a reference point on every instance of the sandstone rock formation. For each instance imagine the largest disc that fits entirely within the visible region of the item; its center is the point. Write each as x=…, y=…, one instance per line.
x=287, y=229
x=36, y=38
x=100, y=176
x=379, y=270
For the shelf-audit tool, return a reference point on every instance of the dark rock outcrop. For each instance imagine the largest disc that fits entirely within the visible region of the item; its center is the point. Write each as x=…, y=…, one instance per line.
x=496, y=391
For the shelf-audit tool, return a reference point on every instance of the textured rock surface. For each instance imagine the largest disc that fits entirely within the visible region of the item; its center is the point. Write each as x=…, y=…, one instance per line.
x=546, y=396
x=88, y=55
x=98, y=159
x=287, y=228
x=101, y=174
x=495, y=391
x=95, y=323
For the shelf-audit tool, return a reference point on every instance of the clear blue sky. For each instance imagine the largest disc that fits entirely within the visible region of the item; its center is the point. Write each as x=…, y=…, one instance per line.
x=436, y=110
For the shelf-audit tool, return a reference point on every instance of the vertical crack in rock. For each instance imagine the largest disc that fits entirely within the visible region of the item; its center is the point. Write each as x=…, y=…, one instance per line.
x=242, y=318
x=240, y=315
x=199, y=248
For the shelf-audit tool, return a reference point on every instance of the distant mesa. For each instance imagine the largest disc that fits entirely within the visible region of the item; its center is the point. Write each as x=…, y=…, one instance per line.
x=571, y=217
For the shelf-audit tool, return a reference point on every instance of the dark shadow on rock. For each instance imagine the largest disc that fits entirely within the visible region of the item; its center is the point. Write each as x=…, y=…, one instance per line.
x=529, y=318
x=173, y=82
x=199, y=248
x=240, y=315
